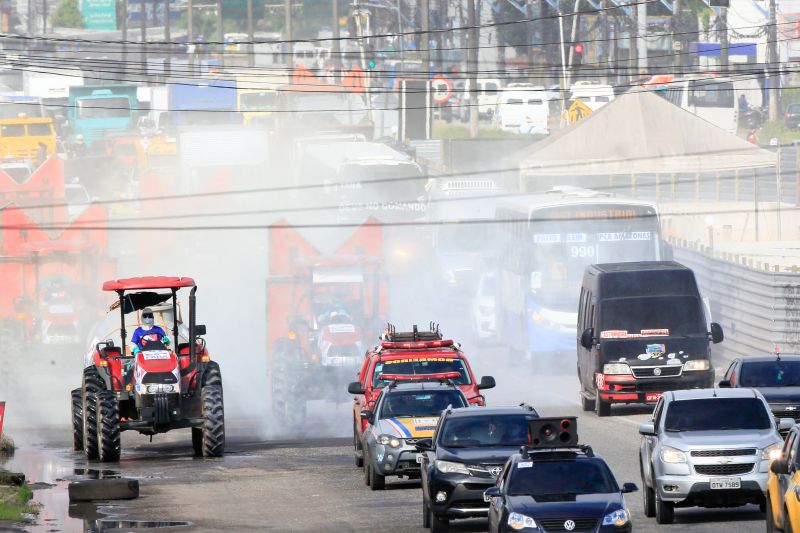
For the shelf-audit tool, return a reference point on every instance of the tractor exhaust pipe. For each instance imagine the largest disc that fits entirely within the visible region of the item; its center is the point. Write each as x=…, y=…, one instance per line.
x=192, y=338
x=122, y=332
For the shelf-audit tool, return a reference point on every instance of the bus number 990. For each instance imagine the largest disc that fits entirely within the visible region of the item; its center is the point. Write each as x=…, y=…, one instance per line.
x=582, y=251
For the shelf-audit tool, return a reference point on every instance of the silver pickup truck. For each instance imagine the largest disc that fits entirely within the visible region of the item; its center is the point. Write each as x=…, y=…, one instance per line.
x=707, y=448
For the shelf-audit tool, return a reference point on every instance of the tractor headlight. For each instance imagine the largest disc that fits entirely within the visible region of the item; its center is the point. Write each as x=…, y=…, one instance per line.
x=162, y=388
x=388, y=440
x=520, y=521
x=696, y=364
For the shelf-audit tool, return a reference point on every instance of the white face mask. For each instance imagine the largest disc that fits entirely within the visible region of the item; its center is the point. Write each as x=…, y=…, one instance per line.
x=147, y=323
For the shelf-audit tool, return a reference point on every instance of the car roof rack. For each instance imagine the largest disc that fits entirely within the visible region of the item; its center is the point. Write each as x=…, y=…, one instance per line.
x=392, y=335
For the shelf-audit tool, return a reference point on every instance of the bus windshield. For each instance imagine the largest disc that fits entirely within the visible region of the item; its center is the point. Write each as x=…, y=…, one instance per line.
x=561, y=250
x=711, y=94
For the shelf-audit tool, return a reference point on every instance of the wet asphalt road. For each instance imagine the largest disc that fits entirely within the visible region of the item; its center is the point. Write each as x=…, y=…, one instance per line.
x=311, y=483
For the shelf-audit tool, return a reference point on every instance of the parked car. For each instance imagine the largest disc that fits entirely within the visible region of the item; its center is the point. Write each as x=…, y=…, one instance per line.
x=523, y=111
x=792, y=116
x=707, y=448
x=777, y=377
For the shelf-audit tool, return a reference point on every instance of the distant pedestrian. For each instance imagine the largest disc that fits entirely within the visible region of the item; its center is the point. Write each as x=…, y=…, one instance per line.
x=743, y=105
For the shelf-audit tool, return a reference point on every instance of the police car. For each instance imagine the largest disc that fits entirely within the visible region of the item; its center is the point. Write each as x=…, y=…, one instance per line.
x=405, y=412
x=555, y=485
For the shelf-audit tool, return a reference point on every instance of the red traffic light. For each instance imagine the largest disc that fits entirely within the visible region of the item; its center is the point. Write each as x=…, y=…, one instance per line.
x=578, y=48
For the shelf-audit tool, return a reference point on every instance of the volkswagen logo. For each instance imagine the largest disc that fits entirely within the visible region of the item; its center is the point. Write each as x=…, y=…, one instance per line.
x=495, y=470
x=656, y=371
x=569, y=525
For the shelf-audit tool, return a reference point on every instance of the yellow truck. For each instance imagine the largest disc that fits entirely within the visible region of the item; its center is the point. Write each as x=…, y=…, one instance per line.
x=33, y=139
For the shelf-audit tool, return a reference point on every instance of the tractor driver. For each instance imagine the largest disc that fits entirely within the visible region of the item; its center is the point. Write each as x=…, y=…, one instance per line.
x=148, y=332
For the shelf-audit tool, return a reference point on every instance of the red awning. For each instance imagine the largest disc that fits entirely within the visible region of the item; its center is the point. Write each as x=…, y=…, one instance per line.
x=148, y=282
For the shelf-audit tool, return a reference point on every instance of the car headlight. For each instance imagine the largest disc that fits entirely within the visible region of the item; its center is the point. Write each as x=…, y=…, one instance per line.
x=448, y=467
x=520, y=521
x=696, y=364
x=620, y=517
x=672, y=455
x=389, y=440
x=616, y=368
x=772, y=452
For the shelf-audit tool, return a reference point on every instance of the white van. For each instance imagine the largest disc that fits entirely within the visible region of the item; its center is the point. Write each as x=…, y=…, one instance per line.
x=594, y=95
x=488, y=96
x=523, y=111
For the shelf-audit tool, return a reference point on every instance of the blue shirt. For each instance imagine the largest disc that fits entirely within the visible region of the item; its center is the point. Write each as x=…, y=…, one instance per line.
x=153, y=334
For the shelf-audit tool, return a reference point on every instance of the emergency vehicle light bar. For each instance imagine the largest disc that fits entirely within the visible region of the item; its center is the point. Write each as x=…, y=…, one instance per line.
x=417, y=344
x=419, y=377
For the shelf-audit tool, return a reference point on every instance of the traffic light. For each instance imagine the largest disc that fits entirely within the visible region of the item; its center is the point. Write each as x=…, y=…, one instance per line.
x=577, y=54
x=553, y=432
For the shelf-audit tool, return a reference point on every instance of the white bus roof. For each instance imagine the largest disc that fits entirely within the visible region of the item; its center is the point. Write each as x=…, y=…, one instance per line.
x=340, y=153
x=557, y=196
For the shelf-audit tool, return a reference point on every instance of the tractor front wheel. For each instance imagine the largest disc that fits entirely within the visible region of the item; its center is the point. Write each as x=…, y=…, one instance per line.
x=213, y=430
x=212, y=374
x=108, y=438
x=92, y=384
x=77, y=421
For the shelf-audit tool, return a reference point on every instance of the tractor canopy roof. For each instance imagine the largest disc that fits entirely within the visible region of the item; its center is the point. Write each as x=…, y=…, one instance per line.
x=67, y=246
x=148, y=282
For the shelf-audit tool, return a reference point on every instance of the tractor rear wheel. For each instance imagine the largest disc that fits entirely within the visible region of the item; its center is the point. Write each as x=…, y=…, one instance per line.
x=213, y=431
x=108, y=439
x=92, y=384
x=77, y=420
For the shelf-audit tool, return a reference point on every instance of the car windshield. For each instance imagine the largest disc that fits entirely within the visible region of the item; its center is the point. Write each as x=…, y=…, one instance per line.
x=680, y=315
x=548, y=479
x=420, y=403
x=427, y=365
x=485, y=431
x=770, y=374
x=714, y=414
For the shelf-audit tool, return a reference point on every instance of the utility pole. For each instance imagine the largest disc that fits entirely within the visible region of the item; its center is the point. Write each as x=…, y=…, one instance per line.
x=723, y=39
x=168, y=38
x=220, y=34
x=573, y=39
x=677, y=43
x=288, y=37
x=772, y=62
x=564, y=83
x=143, y=34
x=44, y=17
x=472, y=66
x=251, y=49
x=125, y=36
x=641, y=33
x=336, y=49
x=30, y=17
x=191, y=47
x=425, y=14
x=603, y=55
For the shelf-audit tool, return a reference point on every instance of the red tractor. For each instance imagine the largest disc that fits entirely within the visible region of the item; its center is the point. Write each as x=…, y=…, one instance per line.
x=157, y=387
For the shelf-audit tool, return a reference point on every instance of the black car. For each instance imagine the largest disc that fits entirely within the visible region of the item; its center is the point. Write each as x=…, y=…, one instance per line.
x=464, y=458
x=567, y=489
x=777, y=377
x=792, y=117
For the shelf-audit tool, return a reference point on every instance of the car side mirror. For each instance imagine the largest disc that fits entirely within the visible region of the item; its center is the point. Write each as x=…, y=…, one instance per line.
x=368, y=415
x=587, y=338
x=629, y=487
x=648, y=429
x=199, y=329
x=492, y=492
x=424, y=445
x=355, y=388
x=785, y=424
x=487, y=382
x=717, y=335
x=724, y=384
x=779, y=466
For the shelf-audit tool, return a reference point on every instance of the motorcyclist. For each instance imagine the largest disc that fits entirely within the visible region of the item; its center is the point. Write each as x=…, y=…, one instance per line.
x=79, y=148
x=148, y=332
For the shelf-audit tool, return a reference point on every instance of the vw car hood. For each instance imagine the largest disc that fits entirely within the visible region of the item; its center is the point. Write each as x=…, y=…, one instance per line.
x=567, y=506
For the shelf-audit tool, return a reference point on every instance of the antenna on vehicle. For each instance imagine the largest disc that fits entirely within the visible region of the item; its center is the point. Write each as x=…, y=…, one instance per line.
x=777, y=352
x=416, y=332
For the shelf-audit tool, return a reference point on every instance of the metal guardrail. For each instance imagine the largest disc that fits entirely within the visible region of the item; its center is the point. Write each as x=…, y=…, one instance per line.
x=757, y=305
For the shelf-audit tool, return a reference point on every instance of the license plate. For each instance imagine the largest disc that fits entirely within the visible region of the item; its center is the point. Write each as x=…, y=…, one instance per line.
x=726, y=483
x=419, y=458
x=652, y=397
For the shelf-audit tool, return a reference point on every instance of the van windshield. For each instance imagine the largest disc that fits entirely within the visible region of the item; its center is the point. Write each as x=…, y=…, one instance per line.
x=681, y=315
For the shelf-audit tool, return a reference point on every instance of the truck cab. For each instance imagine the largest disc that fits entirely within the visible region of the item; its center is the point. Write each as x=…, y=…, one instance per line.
x=641, y=331
x=97, y=110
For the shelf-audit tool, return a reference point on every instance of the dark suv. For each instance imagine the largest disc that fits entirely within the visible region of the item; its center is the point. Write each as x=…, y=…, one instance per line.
x=464, y=458
x=776, y=377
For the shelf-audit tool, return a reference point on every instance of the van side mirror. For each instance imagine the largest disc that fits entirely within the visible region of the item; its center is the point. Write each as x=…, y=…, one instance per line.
x=717, y=335
x=368, y=415
x=779, y=466
x=355, y=388
x=587, y=338
x=199, y=329
x=487, y=382
x=648, y=429
x=724, y=384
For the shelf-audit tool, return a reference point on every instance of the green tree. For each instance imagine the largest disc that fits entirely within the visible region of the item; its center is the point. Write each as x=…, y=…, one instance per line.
x=67, y=15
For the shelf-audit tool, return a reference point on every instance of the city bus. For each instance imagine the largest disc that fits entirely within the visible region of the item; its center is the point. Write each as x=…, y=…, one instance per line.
x=715, y=100
x=547, y=240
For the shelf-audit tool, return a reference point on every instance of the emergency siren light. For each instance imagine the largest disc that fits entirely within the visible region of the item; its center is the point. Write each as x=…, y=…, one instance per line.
x=555, y=432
